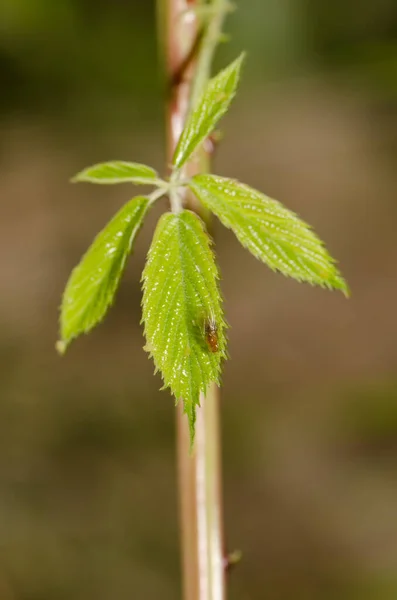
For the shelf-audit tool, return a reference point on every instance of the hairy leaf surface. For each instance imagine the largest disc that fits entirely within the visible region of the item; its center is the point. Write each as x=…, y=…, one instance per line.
x=270, y=231
x=92, y=284
x=117, y=171
x=180, y=298
x=212, y=105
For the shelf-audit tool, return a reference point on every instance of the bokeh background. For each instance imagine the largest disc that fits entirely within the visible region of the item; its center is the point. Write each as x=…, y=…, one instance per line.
x=88, y=503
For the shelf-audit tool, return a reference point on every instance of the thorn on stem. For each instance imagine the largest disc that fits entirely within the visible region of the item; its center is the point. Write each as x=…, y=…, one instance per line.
x=179, y=74
x=232, y=559
x=224, y=38
x=211, y=142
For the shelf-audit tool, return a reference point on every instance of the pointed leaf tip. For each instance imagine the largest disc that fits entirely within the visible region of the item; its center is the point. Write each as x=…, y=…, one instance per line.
x=92, y=285
x=181, y=307
x=269, y=231
x=210, y=108
x=117, y=171
x=61, y=347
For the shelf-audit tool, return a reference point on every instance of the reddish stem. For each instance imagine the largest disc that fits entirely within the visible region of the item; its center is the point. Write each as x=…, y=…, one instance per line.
x=200, y=471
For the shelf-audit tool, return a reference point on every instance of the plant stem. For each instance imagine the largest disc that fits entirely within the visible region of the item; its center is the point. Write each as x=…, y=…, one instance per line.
x=201, y=517
x=211, y=38
x=188, y=62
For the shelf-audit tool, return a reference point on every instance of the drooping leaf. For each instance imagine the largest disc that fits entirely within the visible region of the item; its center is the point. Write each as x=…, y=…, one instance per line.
x=182, y=309
x=212, y=105
x=270, y=231
x=93, y=283
x=117, y=171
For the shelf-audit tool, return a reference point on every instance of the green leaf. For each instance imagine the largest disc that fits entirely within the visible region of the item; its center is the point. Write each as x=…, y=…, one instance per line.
x=212, y=105
x=93, y=283
x=118, y=171
x=270, y=231
x=181, y=300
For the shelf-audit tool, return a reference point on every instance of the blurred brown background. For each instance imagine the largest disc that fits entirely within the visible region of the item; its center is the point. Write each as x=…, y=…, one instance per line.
x=87, y=476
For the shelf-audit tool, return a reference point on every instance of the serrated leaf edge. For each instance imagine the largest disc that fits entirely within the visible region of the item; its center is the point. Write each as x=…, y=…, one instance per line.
x=64, y=342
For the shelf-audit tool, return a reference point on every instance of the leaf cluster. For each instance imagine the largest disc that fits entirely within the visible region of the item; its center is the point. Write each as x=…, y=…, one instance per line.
x=182, y=310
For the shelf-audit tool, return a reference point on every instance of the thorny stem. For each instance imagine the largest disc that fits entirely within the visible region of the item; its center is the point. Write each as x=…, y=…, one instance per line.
x=189, y=50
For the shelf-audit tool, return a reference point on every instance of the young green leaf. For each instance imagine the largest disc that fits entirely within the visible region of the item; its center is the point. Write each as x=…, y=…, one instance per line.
x=212, y=105
x=118, y=171
x=93, y=283
x=182, y=309
x=270, y=231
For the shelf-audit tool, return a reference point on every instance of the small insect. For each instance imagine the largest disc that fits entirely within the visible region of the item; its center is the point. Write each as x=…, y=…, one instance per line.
x=211, y=334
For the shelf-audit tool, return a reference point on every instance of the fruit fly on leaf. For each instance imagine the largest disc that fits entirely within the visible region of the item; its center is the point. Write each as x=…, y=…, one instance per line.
x=211, y=334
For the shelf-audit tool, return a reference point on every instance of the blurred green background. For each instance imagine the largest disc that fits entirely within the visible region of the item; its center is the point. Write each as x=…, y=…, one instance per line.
x=88, y=504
